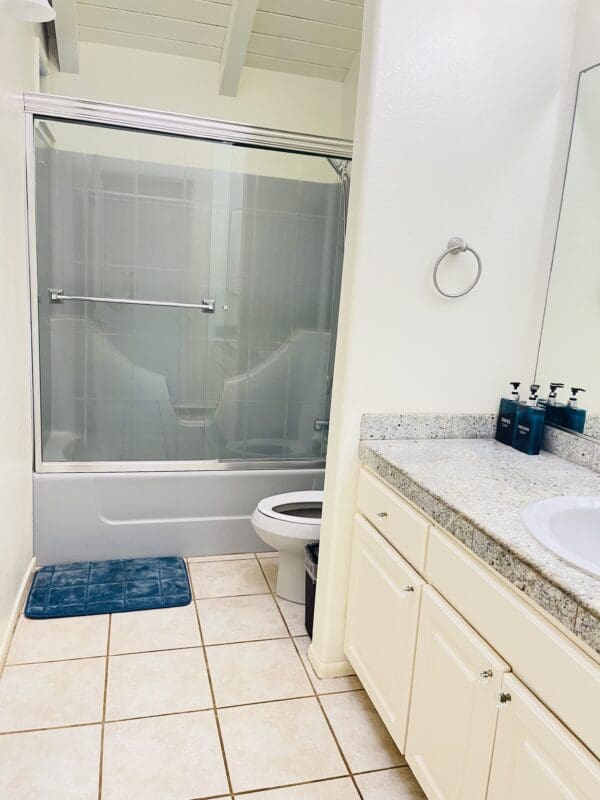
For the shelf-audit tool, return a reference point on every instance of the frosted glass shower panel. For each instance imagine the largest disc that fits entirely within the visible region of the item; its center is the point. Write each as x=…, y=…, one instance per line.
x=209, y=274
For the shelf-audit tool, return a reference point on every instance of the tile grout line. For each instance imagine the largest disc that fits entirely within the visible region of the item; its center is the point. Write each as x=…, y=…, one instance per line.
x=52, y=728
x=214, y=702
x=143, y=652
x=191, y=560
x=177, y=714
x=382, y=769
x=250, y=792
x=230, y=596
x=104, y=709
x=315, y=695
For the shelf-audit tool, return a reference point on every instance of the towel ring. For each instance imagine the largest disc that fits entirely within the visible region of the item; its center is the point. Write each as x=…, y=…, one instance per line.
x=456, y=245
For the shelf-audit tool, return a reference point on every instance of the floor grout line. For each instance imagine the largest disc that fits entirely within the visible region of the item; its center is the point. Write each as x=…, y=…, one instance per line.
x=158, y=650
x=101, y=764
x=214, y=703
x=381, y=769
x=97, y=722
x=161, y=715
x=216, y=560
x=230, y=596
x=316, y=696
x=174, y=713
x=249, y=792
x=247, y=641
x=58, y=660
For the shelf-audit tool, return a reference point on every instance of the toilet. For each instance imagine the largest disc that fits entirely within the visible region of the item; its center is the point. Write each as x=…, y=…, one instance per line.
x=288, y=522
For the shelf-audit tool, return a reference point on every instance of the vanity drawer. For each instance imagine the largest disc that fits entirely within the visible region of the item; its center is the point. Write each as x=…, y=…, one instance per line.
x=403, y=527
x=563, y=677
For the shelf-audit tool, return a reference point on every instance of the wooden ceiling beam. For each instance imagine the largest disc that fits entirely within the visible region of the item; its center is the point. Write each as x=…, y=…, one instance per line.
x=67, y=37
x=235, y=46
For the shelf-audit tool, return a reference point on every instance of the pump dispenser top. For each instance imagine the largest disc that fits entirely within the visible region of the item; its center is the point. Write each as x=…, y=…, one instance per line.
x=529, y=424
x=533, y=394
x=554, y=409
x=552, y=394
x=573, y=399
x=573, y=416
x=505, y=428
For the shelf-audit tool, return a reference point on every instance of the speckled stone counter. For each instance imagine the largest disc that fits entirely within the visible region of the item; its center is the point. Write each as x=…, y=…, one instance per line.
x=475, y=489
x=580, y=450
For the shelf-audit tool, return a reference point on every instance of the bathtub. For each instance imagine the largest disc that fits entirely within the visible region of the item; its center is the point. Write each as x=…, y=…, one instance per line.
x=96, y=516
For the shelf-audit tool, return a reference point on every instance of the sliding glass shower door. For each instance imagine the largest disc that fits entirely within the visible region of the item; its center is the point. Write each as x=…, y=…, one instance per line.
x=187, y=297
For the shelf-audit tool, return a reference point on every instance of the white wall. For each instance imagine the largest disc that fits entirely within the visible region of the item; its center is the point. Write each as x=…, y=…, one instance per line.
x=586, y=44
x=459, y=106
x=16, y=74
x=190, y=86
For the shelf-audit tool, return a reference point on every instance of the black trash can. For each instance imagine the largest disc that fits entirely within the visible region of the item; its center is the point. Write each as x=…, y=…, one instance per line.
x=311, y=562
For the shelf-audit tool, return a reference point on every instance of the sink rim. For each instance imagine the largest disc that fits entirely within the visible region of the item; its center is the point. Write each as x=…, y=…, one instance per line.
x=535, y=516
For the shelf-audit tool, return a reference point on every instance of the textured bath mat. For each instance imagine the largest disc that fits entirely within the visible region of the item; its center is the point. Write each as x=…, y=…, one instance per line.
x=107, y=587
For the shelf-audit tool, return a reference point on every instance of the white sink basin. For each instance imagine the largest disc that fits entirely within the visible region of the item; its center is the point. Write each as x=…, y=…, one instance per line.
x=570, y=527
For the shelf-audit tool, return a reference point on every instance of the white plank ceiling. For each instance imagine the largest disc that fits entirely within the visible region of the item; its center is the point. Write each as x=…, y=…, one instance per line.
x=318, y=38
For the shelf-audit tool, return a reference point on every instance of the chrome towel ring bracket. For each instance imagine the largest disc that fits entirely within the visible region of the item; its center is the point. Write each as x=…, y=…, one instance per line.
x=456, y=245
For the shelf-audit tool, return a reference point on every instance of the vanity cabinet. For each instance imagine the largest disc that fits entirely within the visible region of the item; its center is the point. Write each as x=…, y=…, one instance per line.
x=457, y=680
x=438, y=639
x=381, y=628
x=402, y=526
x=534, y=754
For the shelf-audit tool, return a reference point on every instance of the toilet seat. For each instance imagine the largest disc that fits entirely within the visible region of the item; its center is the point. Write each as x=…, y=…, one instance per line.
x=288, y=533
x=268, y=507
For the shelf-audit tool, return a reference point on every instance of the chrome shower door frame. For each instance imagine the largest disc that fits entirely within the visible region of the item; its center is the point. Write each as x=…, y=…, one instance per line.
x=67, y=109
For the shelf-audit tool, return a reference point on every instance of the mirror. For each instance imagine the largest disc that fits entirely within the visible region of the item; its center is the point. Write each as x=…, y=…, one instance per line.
x=571, y=330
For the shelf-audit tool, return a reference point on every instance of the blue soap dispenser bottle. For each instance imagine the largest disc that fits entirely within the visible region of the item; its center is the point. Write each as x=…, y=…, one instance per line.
x=573, y=417
x=554, y=409
x=505, y=427
x=529, y=424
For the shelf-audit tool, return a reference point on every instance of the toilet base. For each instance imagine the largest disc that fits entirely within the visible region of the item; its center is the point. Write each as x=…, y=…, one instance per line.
x=290, y=577
x=287, y=523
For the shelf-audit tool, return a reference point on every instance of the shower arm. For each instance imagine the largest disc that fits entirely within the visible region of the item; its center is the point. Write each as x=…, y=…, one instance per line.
x=58, y=296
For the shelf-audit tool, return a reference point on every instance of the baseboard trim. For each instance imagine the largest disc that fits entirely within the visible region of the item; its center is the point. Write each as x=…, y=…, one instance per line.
x=329, y=669
x=16, y=610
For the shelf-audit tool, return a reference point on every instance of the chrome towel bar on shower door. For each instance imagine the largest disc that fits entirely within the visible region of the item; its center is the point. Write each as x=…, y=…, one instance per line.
x=58, y=296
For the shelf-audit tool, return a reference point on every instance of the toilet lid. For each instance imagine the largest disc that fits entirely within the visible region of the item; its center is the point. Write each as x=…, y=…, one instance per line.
x=297, y=507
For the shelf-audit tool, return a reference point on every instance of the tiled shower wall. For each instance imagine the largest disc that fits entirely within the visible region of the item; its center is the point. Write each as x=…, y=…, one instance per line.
x=132, y=382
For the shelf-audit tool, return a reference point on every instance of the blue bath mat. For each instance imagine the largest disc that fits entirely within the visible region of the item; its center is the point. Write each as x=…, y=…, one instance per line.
x=108, y=587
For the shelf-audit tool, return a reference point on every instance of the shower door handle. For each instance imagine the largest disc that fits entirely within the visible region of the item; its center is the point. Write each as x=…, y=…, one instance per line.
x=58, y=296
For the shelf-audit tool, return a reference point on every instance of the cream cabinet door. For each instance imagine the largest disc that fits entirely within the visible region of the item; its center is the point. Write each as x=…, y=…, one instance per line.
x=534, y=754
x=453, y=710
x=381, y=625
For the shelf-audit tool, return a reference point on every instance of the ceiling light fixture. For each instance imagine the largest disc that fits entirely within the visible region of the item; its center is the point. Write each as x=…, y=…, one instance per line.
x=29, y=10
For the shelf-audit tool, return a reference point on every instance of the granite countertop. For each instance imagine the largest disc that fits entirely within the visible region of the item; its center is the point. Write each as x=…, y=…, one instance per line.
x=475, y=489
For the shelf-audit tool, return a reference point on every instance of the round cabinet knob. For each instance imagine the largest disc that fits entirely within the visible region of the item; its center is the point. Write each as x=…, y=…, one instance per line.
x=382, y=514
x=504, y=697
x=409, y=588
x=486, y=673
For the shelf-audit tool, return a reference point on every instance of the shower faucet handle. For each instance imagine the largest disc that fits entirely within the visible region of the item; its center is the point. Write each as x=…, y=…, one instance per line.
x=321, y=425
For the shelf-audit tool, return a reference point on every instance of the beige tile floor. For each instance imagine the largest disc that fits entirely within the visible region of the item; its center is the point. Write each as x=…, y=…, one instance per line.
x=215, y=700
